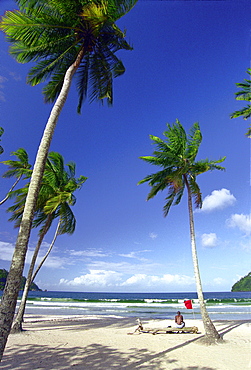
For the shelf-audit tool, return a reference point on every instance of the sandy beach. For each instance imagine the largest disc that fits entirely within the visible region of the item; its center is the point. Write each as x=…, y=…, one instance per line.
x=105, y=343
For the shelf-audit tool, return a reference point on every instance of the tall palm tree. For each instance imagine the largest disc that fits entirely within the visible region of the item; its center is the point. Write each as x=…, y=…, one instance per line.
x=55, y=199
x=176, y=156
x=19, y=169
x=244, y=94
x=62, y=37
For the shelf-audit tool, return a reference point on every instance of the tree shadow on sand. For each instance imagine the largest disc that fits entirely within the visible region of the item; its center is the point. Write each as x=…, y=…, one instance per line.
x=94, y=356
x=97, y=356
x=230, y=325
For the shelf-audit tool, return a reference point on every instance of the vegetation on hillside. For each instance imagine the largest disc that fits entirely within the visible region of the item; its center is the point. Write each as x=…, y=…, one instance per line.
x=3, y=277
x=243, y=285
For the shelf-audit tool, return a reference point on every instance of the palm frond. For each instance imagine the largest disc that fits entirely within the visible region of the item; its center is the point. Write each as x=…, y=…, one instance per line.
x=169, y=200
x=83, y=78
x=68, y=7
x=158, y=161
x=207, y=165
x=67, y=220
x=42, y=219
x=123, y=7
x=155, y=190
x=195, y=191
x=213, y=165
x=71, y=169
x=57, y=64
x=245, y=112
x=176, y=139
x=244, y=94
x=18, y=168
x=194, y=141
x=179, y=194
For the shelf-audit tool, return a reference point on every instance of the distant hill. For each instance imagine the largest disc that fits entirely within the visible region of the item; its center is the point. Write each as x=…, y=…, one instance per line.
x=243, y=285
x=3, y=277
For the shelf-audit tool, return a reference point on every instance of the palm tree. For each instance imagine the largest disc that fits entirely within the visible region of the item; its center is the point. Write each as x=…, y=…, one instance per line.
x=63, y=37
x=176, y=156
x=18, y=169
x=54, y=201
x=244, y=94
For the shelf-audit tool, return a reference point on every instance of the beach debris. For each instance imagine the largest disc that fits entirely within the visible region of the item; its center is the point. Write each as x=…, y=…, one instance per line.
x=168, y=329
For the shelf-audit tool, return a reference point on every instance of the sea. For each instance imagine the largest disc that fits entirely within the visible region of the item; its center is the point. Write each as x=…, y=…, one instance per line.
x=220, y=305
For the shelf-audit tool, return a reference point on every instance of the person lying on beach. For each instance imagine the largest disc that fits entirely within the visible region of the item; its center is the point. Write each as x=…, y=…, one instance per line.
x=179, y=323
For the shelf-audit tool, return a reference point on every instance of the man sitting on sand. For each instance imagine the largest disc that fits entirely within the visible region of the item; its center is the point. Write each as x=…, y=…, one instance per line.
x=179, y=323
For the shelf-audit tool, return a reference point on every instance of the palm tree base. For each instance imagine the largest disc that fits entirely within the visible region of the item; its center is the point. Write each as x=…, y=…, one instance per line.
x=16, y=328
x=209, y=340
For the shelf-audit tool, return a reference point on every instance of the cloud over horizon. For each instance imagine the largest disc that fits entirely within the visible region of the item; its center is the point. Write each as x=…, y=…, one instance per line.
x=95, y=278
x=108, y=278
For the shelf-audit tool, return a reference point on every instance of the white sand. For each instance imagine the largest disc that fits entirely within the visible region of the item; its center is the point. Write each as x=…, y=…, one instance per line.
x=104, y=343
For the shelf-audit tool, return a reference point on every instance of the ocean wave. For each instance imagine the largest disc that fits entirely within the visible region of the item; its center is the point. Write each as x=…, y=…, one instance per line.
x=171, y=302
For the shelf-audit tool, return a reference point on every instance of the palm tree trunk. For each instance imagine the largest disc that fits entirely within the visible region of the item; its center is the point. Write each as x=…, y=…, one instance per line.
x=10, y=294
x=17, y=326
x=8, y=194
x=47, y=253
x=212, y=335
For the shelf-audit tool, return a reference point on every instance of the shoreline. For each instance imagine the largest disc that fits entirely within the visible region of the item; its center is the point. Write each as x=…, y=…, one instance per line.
x=33, y=318
x=50, y=342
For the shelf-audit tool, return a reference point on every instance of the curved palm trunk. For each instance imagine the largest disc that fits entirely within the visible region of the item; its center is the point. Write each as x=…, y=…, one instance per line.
x=8, y=194
x=9, y=298
x=47, y=253
x=17, y=326
x=212, y=335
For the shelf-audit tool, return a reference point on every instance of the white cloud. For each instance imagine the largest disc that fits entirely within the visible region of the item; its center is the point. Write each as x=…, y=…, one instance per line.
x=153, y=280
x=241, y=221
x=6, y=251
x=123, y=267
x=109, y=278
x=137, y=279
x=209, y=240
x=218, y=199
x=88, y=253
x=135, y=254
x=153, y=235
x=54, y=262
x=95, y=278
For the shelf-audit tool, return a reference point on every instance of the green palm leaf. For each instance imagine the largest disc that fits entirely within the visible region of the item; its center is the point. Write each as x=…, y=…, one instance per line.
x=20, y=167
x=244, y=94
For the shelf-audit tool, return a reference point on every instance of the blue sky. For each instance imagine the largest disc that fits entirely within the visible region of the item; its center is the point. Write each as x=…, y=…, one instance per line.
x=186, y=60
